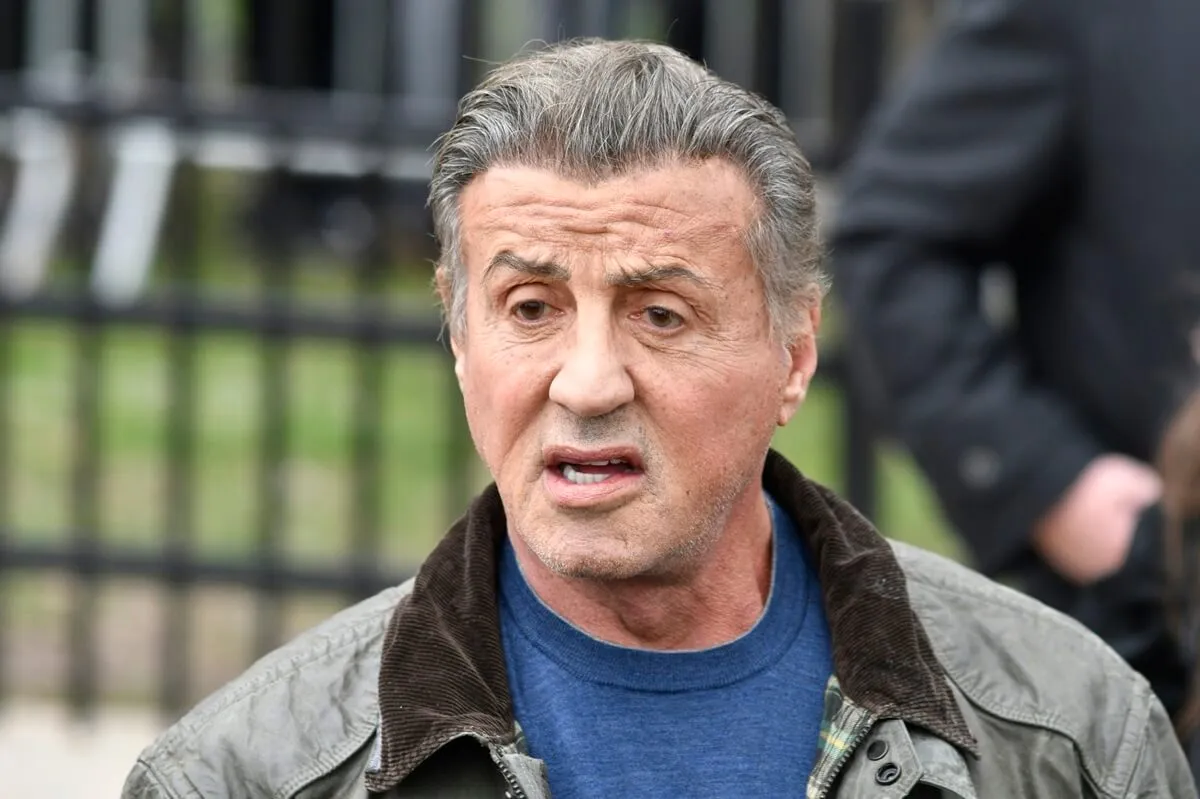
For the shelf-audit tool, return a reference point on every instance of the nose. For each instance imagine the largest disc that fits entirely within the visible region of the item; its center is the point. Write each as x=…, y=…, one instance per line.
x=593, y=379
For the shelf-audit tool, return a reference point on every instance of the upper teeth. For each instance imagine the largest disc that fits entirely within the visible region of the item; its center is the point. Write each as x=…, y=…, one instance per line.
x=582, y=478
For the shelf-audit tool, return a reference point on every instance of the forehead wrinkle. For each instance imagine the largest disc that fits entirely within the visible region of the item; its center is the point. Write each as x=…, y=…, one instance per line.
x=601, y=211
x=667, y=232
x=632, y=213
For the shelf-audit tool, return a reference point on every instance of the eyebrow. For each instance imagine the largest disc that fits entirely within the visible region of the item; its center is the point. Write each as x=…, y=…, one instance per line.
x=508, y=260
x=656, y=274
x=627, y=278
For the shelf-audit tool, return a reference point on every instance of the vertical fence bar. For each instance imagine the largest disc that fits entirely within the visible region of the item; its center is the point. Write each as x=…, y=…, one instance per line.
x=12, y=56
x=859, y=58
x=470, y=39
x=860, y=48
x=273, y=446
x=122, y=45
x=603, y=17
x=276, y=284
x=52, y=32
x=729, y=33
x=367, y=429
x=12, y=25
x=571, y=18
x=89, y=355
x=461, y=451
x=179, y=506
x=766, y=51
x=61, y=24
x=359, y=45
x=181, y=435
x=426, y=52
x=53, y=28
x=367, y=423
x=181, y=345
x=686, y=27
x=6, y=492
x=805, y=69
x=563, y=18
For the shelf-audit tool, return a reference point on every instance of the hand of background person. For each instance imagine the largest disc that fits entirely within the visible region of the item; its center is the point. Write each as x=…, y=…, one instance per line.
x=1086, y=535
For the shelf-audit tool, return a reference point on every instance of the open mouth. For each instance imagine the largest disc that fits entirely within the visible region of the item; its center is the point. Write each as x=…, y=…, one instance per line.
x=592, y=472
x=589, y=467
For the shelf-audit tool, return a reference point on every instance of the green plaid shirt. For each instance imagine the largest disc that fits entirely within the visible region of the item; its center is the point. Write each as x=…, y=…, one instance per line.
x=842, y=728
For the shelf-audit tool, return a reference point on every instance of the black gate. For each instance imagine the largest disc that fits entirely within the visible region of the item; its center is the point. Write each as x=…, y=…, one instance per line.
x=136, y=347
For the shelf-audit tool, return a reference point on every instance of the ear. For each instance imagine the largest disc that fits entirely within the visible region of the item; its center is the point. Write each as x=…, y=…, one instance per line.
x=442, y=286
x=456, y=349
x=802, y=363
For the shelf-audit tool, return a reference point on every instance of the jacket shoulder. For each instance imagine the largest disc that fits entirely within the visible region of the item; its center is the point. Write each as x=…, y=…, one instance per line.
x=291, y=718
x=1021, y=662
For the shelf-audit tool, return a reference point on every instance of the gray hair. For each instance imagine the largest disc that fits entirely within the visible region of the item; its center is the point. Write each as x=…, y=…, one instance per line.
x=591, y=109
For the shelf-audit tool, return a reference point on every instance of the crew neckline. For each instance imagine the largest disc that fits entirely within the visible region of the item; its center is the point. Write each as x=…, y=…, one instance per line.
x=597, y=661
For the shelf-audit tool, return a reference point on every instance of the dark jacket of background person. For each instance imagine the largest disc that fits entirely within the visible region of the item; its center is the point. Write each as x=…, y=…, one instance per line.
x=1061, y=139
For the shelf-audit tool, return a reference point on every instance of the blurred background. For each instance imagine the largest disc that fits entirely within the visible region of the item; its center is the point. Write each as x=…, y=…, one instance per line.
x=225, y=411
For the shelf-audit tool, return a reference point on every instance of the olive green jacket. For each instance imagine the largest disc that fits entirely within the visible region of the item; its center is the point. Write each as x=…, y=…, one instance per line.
x=946, y=685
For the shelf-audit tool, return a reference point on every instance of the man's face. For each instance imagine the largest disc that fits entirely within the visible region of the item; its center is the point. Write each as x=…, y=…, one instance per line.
x=618, y=369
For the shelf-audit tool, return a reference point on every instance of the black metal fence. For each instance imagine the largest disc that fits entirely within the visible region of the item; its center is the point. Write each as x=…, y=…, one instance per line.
x=118, y=123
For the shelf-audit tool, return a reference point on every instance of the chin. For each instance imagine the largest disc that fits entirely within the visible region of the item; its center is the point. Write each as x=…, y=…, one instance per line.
x=583, y=559
x=587, y=564
x=592, y=570
x=618, y=561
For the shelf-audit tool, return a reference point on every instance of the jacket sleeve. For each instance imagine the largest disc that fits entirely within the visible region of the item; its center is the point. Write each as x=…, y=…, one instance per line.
x=1161, y=769
x=957, y=158
x=143, y=783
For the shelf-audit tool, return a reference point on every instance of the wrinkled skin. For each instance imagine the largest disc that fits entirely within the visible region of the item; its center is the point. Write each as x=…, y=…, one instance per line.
x=627, y=314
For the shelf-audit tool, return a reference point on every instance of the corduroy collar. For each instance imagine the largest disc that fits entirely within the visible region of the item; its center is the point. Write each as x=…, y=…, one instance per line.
x=443, y=672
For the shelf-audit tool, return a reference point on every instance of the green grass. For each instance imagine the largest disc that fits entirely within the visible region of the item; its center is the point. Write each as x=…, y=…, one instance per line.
x=414, y=435
x=134, y=403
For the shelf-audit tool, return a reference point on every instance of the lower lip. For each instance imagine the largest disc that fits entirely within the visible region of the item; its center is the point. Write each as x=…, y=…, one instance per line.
x=573, y=495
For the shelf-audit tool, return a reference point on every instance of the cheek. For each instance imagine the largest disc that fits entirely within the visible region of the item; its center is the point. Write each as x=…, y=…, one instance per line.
x=503, y=393
x=713, y=417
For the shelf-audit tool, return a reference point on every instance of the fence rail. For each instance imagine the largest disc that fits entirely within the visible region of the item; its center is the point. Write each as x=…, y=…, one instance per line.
x=106, y=128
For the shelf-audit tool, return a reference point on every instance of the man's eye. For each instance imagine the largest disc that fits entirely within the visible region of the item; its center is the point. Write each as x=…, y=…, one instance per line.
x=531, y=310
x=663, y=318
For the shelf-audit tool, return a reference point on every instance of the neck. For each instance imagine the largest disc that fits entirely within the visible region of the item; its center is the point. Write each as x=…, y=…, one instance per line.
x=716, y=599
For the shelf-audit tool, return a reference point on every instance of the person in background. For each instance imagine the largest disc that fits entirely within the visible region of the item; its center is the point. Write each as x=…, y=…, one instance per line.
x=1178, y=518
x=1055, y=143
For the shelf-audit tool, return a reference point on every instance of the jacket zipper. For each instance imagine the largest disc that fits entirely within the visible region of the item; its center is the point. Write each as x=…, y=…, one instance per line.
x=515, y=790
x=847, y=754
